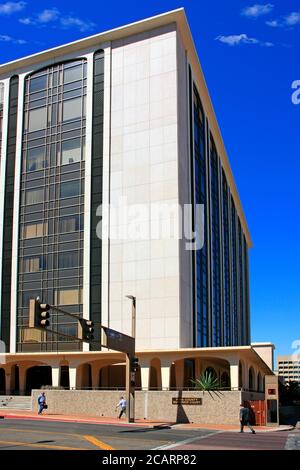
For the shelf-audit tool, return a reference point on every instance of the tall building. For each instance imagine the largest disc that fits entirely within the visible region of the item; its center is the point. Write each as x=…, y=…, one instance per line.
x=121, y=114
x=288, y=367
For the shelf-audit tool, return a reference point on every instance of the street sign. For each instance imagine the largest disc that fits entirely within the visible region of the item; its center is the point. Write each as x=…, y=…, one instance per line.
x=113, y=339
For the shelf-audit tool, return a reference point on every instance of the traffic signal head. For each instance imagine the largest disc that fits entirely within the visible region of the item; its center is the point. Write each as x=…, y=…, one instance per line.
x=38, y=314
x=85, y=330
x=134, y=364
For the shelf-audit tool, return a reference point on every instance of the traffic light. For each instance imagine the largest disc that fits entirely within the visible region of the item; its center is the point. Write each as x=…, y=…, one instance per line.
x=38, y=314
x=85, y=329
x=134, y=364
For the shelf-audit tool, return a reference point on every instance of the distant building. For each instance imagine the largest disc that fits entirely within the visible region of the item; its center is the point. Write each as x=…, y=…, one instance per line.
x=288, y=367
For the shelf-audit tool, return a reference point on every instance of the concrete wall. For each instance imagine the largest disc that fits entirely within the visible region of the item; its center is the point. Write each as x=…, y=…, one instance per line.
x=217, y=407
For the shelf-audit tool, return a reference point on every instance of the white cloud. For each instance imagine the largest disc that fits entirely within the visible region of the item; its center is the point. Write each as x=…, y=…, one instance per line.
x=257, y=10
x=47, y=16
x=238, y=39
x=6, y=38
x=55, y=17
x=292, y=19
x=70, y=21
x=11, y=7
x=288, y=21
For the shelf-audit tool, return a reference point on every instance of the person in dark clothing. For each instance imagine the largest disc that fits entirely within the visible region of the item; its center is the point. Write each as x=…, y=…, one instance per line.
x=41, y=402
x=245, y=419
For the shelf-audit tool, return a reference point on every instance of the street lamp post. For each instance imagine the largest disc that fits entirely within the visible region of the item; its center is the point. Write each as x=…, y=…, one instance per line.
x=130, y=385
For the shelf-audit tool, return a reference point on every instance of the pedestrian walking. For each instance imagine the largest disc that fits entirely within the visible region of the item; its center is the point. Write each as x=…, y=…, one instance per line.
x=42, y=403
x=245, y=419
x=122, y=404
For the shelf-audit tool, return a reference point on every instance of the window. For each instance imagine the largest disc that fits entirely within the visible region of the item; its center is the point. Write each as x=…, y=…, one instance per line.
x=35, y=230
x=68, y=297
x=70, y=189
x=38, y=83
x=73, y=73
x=32, y=265
x=36, y=159
x=34, y=196
x=72, y=109
x=37, y=119
x=70, y=151
x=68, y=259
x=70, y=224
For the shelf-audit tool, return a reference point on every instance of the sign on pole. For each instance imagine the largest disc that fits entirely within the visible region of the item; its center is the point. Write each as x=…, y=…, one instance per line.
x=113, y=339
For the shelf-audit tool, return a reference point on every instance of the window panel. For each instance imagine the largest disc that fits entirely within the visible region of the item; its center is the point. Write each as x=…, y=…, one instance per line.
x=73, y=73
x=69, y=224
x=68, y=297
x=68, y=259
x=34, y=196
x=37, y=119
x=38, y=83
x=70, y=189
x=72, y=109
x=35, y=230
x=36, y=159
x=70, y=151
x=32, y=265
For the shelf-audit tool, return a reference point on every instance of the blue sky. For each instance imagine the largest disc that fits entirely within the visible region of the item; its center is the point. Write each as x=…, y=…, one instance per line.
x=249, y=52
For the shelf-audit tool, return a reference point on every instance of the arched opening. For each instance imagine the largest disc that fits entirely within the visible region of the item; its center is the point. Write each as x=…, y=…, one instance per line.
x=251, y=379
x=225, y=380
x=189, y=373
x=173, y=377
x=240, y=375
x=38, y=376
x=155, y=375
x=64, y=377
x=260, y=386
x=2, y=382
x=112, y=376
x=85, y=376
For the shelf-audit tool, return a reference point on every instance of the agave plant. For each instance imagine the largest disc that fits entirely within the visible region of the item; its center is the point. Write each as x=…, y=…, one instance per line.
x=206, y=382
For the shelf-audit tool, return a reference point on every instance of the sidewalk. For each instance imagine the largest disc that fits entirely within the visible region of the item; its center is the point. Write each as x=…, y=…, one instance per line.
x=105, y=420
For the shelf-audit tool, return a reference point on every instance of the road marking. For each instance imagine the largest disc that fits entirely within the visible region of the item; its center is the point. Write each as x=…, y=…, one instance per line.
x=98, y=443
x=47, y=446
x=186, y=441
x=43, y=432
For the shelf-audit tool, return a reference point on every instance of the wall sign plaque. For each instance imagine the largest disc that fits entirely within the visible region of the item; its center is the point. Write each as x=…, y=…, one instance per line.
x=186, y=401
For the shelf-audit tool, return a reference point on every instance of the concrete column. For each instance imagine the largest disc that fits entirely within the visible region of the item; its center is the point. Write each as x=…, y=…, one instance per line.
x=198, y=367
x=234, y=375
x=179, y=373
x=145, y=376
x=95, y=376
x=165, y=375
x=245, y=376
x=7, y=381
x=55, y=370
x=72, y=376
x=22, y=379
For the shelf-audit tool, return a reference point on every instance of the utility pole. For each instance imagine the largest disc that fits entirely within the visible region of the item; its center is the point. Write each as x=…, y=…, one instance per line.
x=130, y=371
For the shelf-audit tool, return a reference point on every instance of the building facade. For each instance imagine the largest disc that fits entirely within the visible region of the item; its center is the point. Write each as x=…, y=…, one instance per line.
x=123, y=114
x=288, y=367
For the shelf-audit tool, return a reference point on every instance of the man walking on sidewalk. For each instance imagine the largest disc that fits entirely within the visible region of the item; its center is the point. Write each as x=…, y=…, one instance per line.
x=245, y=419
x=122, y=404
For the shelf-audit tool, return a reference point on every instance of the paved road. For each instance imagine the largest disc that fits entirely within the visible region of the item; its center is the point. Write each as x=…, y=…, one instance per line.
x=29, y=434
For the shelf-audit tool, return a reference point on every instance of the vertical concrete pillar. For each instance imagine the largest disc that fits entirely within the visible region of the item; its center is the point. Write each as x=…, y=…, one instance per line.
x=95, y=376
x=55, y=371
x=245, y=376
x=165, y=374
x=7, y=381
x=22, y=379
x=145, y=375
x=234, y=374
x=198, y=367
x=179, y=373
x=72, y=377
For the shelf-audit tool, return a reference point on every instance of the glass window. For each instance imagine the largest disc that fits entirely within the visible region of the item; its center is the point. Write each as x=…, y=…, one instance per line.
x=70, y=151
x=36, y=159
x=72, y=109
x=68, y=297
x=68, y=259
x=34, y=196
x=32, y=265
x=70, y=188
x=38, y=83
x=72, y=74
x=37, y=119
x=35, y=230
x=69, y=224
